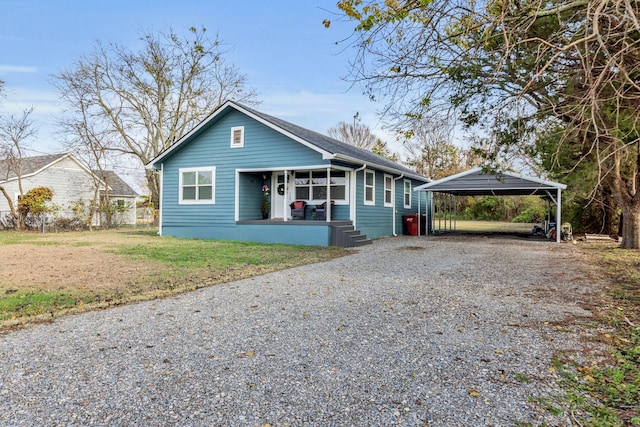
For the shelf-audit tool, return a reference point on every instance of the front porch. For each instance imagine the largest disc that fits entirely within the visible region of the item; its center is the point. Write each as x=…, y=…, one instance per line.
x=305, y=232
x=268, y=194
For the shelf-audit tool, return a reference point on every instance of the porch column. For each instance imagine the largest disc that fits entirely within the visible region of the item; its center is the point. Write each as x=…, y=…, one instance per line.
x=328, y=205
x=286, y=194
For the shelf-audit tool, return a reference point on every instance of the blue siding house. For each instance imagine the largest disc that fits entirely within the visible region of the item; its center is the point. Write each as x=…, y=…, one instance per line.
x=236, y=175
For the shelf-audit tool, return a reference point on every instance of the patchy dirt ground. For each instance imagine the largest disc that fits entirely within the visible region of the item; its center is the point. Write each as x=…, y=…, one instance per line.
x=71, y=261
x=67, y=266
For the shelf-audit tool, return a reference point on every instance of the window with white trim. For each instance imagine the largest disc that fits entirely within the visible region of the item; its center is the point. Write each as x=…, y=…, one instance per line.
x=388, y=191
x=407, y=194
x=197, y=185
x=237, y=137
x=312, y=185
x=369, y=187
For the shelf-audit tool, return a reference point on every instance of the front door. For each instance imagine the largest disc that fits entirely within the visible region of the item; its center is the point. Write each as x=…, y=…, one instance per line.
x=277, y=206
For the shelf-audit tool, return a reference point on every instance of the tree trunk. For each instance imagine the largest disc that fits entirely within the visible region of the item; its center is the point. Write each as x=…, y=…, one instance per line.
x=609, y=208
x=12, y=208
x=631, y=226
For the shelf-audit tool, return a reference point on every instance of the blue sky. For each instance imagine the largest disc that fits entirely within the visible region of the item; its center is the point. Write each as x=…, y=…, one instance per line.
x=288, y=56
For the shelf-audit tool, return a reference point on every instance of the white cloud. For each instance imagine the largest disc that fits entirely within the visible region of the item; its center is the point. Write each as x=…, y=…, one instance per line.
x=20, y=69
x=45, y=102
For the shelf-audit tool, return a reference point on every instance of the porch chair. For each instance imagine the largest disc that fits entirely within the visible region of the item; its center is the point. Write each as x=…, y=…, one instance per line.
x=320, y=211
x=298, y=209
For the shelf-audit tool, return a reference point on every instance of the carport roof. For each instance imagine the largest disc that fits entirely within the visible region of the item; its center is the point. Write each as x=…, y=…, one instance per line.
x=476, y=182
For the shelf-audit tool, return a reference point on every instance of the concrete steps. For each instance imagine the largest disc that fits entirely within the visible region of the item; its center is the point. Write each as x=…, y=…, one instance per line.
x=344, y=235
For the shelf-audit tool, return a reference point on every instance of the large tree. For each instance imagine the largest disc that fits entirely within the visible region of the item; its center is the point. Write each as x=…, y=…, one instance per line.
x=430, y=148
x=512, y=67
x=356, y=134
x=16, y=133
x=139, y=102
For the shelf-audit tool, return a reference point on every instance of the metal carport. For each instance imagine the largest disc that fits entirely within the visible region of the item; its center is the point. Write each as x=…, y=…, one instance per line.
x=477, y=182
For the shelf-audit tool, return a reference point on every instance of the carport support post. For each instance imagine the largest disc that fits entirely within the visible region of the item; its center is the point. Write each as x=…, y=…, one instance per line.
x=558, y=215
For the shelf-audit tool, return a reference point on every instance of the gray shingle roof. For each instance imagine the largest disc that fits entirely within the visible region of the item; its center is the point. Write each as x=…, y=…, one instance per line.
x=345, y=152
x=331, y=145
x=29, y=165
x=117, y=184
x=33, y=164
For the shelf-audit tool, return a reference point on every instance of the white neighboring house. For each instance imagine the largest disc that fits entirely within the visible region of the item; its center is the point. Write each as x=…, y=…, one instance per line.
x=70, y=181
x=121, y=193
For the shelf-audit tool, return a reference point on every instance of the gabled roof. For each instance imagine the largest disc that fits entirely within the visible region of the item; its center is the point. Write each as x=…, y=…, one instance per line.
x=33, y=165
x=476, y=182
x=117, y=186
x=29, y=165
x=329, y=148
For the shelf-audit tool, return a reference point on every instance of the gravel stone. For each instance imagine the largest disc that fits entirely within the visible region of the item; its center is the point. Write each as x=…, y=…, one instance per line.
x=411, y=331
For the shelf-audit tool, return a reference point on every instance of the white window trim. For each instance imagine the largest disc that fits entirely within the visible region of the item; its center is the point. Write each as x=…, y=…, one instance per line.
x=371, y=202
x=388, y=204
x=404, y=189
x=233, y=131
x=212, y=201
x=310, y=186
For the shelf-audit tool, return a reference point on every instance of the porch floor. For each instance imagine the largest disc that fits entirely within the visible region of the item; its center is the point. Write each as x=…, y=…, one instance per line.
x=341, y=233
x=306, y=222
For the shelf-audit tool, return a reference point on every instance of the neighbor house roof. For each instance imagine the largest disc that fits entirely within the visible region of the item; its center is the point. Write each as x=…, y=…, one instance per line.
x=477, y=182
x=116, y=184
x=330, y=148
x=29, y=165
x=33, y=165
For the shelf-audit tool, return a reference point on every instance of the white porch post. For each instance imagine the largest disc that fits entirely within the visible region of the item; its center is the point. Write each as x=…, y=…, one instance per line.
x=328, y=205
x=286, y=194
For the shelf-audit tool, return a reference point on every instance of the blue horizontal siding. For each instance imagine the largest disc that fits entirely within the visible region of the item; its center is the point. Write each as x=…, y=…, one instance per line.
x=377, y=220
x=263, y=148
x=267, y=233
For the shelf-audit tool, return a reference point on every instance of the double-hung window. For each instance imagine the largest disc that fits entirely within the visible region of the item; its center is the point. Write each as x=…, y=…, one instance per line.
x=407, y=194
x=312, y=185
x=197, y=185
x=369, y=187
x=388, y=191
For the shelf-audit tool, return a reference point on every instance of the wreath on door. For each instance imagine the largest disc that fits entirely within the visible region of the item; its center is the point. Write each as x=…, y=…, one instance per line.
x=281, y=189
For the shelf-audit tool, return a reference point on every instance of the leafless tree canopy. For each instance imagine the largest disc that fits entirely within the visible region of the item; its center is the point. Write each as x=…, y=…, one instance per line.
x=140, y=102
x=357, y=134
x=430, y=148
x=16, y=133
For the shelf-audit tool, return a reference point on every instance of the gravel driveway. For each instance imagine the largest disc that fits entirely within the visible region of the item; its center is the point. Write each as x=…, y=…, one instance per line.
x=408, y=331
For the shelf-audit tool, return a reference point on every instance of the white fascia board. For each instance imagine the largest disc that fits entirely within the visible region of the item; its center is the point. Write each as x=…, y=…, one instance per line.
x=325, y=154
x=289, y=168
x=493, y=189
x=537, y=180
x=58, y=160
x=446, y=179
x=425, y=187
x=188, y=135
